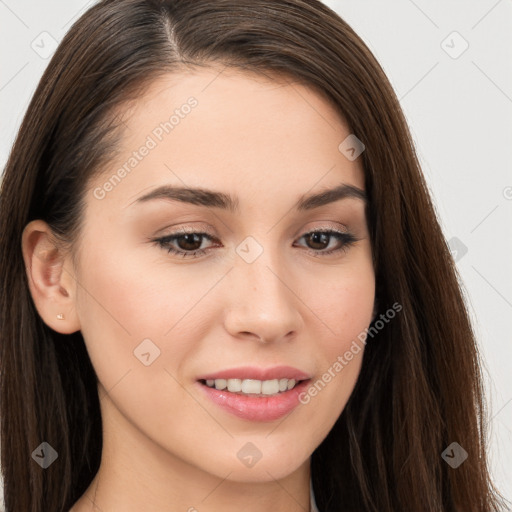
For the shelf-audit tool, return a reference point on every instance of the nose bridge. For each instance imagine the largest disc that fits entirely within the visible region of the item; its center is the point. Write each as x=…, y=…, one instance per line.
x=253, y=265
x=263, y=303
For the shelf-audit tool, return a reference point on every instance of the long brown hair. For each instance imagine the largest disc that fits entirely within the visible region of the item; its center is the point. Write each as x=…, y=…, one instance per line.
x=420, y=387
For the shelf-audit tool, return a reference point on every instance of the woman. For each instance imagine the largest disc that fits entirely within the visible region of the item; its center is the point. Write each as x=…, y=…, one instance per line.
x=224, y=285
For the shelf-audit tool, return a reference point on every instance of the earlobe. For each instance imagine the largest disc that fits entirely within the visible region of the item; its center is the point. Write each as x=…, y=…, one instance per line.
x=50, y=278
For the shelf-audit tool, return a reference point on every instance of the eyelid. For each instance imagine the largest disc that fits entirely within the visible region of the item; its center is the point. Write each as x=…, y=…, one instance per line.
x=326, y=225
x=187, y=230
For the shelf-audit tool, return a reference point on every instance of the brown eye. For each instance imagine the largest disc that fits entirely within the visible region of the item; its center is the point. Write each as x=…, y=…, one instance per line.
x=184, y=244
x=190, y=241
x=318, y=241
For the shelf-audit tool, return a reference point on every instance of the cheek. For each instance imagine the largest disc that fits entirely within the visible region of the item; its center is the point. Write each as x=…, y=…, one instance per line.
x=132, y=314
x=344, y=307
x=124, y=300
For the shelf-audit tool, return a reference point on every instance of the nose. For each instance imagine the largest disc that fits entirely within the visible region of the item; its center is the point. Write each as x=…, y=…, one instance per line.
x=262, y=304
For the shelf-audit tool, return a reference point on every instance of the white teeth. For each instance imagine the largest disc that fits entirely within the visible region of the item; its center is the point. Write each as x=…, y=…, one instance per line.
x=220, y=383
x=252, y=386
x=234, y=385
x=270, y=387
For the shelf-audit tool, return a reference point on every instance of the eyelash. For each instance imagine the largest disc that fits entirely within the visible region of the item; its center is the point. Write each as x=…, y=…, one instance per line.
x=347, y=240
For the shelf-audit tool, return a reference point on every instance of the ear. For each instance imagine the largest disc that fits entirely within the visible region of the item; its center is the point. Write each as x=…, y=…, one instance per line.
x=50, y=277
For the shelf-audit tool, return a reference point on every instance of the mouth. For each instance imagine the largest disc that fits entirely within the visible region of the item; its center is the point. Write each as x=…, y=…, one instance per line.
x=255, y=400
x=255, y=394
x=253, y=387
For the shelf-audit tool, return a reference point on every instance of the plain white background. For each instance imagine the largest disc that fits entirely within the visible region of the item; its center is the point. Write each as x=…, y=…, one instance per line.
x=449, y=63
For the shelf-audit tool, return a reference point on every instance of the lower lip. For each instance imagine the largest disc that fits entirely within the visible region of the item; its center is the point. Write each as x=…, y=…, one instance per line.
x=256, y=408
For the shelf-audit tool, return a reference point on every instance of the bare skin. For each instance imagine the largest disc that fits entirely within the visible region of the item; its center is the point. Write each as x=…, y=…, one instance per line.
x=167, y=446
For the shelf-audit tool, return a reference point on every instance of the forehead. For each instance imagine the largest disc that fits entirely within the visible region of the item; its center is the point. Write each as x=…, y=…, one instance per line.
x=225, y=129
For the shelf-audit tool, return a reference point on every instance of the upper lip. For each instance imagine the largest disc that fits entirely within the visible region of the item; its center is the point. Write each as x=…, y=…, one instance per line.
x=253, y=372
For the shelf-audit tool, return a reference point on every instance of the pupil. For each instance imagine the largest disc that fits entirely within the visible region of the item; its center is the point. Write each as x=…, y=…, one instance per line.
x=323, y=239
x=191, y=238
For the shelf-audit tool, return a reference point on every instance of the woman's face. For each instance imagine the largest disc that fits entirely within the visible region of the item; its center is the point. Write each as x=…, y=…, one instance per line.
x=252, y=292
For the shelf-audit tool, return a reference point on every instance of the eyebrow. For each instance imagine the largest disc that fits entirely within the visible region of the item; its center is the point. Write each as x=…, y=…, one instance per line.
x=213, y=199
